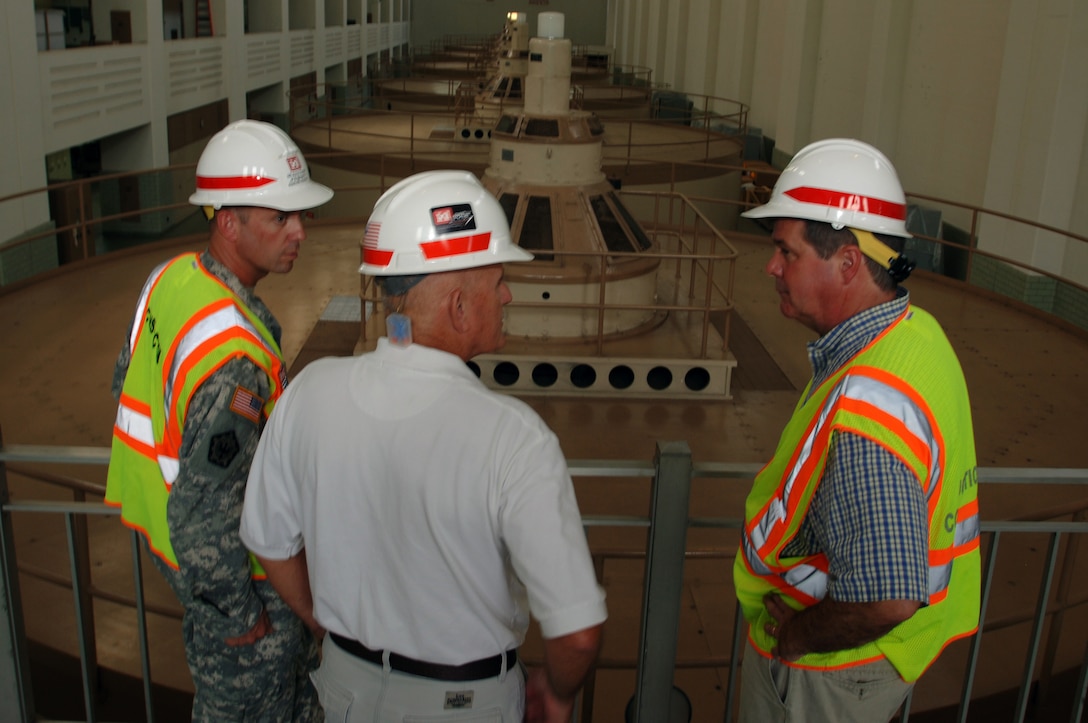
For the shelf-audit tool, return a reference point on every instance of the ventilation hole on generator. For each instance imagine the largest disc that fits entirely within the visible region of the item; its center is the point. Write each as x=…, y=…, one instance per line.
x=479, y=134
x=465, y=133
x=582, y=376
x=621, y=377
x=659, y=378
x=697, y=379
x=506, y=373
x=546, y=295
x=545, y=375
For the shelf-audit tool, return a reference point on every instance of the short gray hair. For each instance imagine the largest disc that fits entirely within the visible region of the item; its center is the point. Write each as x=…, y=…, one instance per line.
x=398, y=285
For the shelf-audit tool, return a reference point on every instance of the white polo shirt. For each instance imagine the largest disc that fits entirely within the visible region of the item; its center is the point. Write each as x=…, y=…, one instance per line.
x=429, y=507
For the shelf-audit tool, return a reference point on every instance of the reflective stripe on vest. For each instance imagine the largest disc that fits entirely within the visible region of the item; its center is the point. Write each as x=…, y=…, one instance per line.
x=215, y=323
x=863, y=393
x=203, y=326
x=921, y=414
x=965, y=539
x=217, y=320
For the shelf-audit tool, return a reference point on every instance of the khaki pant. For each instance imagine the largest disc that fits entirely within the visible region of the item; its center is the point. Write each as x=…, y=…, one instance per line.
x=772, y=692
x=355, y=691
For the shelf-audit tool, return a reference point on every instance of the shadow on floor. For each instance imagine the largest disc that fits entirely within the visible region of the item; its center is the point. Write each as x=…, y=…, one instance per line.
x=1058, y=705
x=58, y=692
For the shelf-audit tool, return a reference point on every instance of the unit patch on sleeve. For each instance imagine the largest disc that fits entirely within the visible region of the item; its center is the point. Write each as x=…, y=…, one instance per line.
x=247, y=404
x=223, y=448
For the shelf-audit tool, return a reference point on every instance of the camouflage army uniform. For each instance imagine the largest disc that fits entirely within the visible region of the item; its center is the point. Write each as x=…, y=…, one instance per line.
x=268, y=680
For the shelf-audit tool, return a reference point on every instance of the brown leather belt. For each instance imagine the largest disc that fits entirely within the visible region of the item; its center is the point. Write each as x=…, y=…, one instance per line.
x=474, y=670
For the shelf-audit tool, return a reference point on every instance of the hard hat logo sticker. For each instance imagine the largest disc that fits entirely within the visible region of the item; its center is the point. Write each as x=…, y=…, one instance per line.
x=448, y=219
x=294, y=163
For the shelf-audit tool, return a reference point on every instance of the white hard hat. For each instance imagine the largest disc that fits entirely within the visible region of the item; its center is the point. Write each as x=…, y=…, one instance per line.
x=437, y=221
x=252, y=163
x=842, y=182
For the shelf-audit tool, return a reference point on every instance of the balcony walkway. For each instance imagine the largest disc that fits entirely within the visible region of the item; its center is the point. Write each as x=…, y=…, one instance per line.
x=1026, y=375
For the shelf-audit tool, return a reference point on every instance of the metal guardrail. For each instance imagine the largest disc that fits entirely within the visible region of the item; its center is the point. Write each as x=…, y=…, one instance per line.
x=78, y=234
x=682, y=236
x=671, y=474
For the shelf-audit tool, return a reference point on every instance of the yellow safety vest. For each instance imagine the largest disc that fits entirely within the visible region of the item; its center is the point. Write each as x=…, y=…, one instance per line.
x=173, y=352
x=906, y=392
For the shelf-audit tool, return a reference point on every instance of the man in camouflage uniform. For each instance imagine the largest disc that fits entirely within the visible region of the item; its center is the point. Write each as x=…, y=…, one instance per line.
x=196, y=379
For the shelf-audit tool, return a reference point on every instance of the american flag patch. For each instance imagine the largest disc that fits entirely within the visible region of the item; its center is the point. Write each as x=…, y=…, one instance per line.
x=371, y=253
x=370, y=240
x=247, y=404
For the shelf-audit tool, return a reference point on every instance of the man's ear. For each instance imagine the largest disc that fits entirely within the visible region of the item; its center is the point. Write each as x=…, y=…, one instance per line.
x=851, y=261
x=226, y=222
x=456, y=307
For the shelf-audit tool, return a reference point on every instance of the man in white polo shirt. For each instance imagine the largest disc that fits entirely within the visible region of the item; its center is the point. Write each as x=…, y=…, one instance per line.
x=414, y=514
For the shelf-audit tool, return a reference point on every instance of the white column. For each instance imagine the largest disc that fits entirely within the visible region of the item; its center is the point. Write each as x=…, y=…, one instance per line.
x=158, y=140
x=797, y=86
x=234, y=56
x=886, y=67
x=20, y=121
x=1039, y=134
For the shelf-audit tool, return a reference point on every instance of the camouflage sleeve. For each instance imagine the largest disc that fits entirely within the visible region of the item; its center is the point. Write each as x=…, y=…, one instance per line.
x=205, y=504
x=120, y=369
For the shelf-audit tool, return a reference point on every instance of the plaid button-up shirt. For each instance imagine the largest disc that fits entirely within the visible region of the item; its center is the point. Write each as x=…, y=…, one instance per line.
x=868, y=515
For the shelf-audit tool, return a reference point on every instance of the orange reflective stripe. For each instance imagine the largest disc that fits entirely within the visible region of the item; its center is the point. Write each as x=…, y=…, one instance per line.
x=377, y=257
x=790, y=466
x=820, y=441
x=237, y=327
x=135, y=445
x=941, y=556
x=232, y=182
x=849, y=201
x=168, y=362
x=795, y=664
x=133, y=426
x=169, y=375
x=456, y=246
x=969, y=546
x=918, y=447
x=859, y=393
x=968, y=510
x=781, y=584
x=135, y=404
x=933, y=485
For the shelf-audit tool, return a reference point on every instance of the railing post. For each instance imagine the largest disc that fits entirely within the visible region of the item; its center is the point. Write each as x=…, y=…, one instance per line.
x=82, y=589
x=664, y=582
x=740, y=634
x=589, y=689
x=84, y=624
x=1057, y=622
x=16, y=696
x=1038, y=623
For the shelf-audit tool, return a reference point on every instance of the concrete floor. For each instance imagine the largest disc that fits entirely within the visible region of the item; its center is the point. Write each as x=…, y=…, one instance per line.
x=1026, y=375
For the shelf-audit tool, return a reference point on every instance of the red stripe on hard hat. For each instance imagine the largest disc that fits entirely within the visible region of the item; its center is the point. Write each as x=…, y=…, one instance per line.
x=220, y=183
x=849, y=202
x=456, y=246
x=377, y=257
